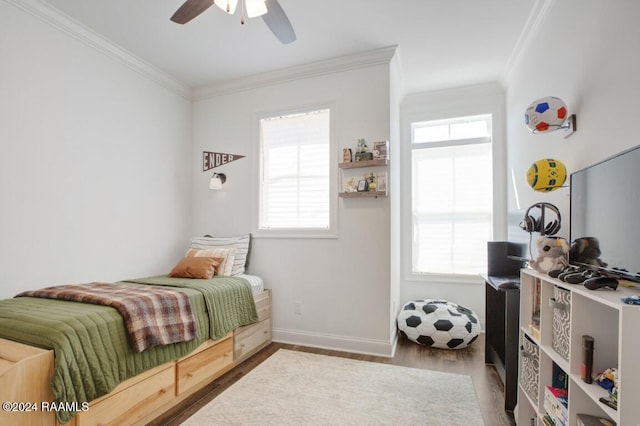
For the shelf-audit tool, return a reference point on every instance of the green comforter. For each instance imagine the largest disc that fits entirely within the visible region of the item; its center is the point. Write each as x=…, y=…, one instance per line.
x=91, y=347
x=230, y=305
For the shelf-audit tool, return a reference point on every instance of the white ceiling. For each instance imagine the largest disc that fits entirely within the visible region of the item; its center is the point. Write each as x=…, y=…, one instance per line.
x=442, y=43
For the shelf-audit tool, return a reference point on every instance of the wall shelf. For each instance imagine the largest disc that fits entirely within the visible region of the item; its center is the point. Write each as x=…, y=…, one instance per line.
x=352, y=170
x=366, y=163
x=364, y=194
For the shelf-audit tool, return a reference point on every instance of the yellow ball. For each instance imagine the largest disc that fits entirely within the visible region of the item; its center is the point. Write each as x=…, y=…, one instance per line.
x=546, y=175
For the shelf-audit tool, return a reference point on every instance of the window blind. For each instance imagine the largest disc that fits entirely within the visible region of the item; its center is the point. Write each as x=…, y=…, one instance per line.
x=295, y=183
x=451, y=203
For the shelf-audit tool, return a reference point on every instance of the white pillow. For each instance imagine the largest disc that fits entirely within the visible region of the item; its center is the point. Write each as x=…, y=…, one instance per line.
x=226, y=254
x=240, y=244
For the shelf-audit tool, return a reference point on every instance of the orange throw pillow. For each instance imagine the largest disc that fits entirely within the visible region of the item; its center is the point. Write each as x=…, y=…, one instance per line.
x=195, y=267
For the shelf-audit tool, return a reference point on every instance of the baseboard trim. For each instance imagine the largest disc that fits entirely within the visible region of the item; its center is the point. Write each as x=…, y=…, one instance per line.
x=336, y=343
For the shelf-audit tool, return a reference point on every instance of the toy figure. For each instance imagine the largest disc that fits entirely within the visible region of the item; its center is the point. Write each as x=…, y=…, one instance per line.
x=586, y=251
x=372, y=182
x=552, y=254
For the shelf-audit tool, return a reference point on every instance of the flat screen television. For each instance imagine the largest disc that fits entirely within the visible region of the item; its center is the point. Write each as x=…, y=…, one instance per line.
x=605, y=204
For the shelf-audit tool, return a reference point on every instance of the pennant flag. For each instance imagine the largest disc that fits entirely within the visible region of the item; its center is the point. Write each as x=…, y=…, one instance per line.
x=211, y=160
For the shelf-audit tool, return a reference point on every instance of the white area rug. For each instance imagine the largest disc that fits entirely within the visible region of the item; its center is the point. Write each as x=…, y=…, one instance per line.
x=297, y=388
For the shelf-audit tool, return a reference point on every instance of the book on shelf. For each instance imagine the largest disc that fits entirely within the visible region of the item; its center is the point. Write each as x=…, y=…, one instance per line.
x=535, y=313
x=534, y=325
x=534, y=331
x=556, y=402
x=559, y=379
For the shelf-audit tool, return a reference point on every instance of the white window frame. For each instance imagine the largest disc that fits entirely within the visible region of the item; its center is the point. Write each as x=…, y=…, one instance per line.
x=431, y=106
x=450, y=142
x=331, y=231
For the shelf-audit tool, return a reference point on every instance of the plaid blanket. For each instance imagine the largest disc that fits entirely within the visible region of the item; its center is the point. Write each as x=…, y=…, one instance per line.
x=153, y=315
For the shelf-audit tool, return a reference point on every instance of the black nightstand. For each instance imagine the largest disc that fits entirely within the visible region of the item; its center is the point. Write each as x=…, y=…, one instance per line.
x=501, y=330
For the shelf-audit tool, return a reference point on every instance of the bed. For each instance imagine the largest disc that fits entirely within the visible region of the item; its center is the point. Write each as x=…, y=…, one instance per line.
x=96, y=377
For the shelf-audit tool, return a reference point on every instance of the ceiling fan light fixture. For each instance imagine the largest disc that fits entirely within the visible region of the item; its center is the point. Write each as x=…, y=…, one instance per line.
x=270, y=10
x=255, y=8
x=229, y=6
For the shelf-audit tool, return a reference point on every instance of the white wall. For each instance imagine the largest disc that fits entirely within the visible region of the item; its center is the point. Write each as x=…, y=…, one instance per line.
x=586, y=53
x=342, y=283
x=93, y=160
x=397, y=93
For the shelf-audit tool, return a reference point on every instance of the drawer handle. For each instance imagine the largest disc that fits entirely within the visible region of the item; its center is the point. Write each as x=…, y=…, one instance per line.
x=162, y=391
x=266, y=332
x=190, y=374
x=558, y=305
x=526, y=354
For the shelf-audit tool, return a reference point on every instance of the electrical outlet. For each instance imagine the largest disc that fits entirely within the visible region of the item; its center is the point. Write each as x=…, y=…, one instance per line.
x=297, y=308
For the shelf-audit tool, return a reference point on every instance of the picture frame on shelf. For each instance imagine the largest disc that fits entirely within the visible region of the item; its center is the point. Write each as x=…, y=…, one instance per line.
x=381, y=182
x=381, y=150
x=347, y=156
x=363, y=185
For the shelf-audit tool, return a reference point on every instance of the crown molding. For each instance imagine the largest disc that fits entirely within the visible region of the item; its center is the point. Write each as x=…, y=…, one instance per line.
x=54, y=17
x=538, y=14
x=381, y=56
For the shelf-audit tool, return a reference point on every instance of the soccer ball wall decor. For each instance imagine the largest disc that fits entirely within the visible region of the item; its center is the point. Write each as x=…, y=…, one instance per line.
x=438, y=323
x=545, y=114
x=546, y=175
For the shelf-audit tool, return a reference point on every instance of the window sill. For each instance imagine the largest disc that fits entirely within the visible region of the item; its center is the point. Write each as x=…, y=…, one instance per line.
x=445, y=278
x=294, y=233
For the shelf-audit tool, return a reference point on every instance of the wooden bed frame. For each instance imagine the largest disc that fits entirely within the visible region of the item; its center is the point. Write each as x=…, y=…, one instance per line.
x=26, y=371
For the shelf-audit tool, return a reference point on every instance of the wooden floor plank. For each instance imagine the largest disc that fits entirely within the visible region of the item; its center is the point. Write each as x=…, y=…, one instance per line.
x=468, y=361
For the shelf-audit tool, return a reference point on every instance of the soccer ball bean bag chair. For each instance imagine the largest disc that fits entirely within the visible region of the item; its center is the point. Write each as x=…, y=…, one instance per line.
x=438, y=323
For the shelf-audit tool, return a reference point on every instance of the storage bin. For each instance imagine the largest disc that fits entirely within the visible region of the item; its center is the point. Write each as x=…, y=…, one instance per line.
x=561, y=304
x=530, y=360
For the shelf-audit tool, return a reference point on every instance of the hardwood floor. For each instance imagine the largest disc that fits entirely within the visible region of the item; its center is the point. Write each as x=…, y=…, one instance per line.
x=469, y=361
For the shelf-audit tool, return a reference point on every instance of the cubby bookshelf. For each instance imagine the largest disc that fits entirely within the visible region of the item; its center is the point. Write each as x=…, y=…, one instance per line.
x=597, y=313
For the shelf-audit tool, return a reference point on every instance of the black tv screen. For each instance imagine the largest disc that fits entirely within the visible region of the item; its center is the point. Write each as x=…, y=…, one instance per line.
x=605, y=204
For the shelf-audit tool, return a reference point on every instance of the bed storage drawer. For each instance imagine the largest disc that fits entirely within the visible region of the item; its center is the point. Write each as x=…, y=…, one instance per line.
x=205, y=365
x=248, y=340
x=133, y=399
x=25, y=374
x=263, y=305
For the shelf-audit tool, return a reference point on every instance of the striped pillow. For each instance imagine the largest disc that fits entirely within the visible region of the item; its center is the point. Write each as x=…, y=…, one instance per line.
x=227, y=256
x=240, y=244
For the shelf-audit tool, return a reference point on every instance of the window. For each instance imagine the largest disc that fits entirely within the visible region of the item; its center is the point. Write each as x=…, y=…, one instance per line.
x=296, y=176
x=451, y=195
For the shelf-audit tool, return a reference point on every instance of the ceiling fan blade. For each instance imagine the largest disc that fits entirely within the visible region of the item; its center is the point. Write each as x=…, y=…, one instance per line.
x=278, y=22
x=190, y=9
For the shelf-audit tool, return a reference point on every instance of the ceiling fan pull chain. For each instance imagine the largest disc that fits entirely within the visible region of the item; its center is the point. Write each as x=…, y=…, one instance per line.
x=242, y=9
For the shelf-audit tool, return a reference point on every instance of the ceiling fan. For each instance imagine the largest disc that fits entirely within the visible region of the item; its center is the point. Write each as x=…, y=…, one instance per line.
x=270, y=10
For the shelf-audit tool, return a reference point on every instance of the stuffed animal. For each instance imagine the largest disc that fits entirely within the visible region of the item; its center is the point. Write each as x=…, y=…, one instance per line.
x=552, y=254
x=586, y=251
